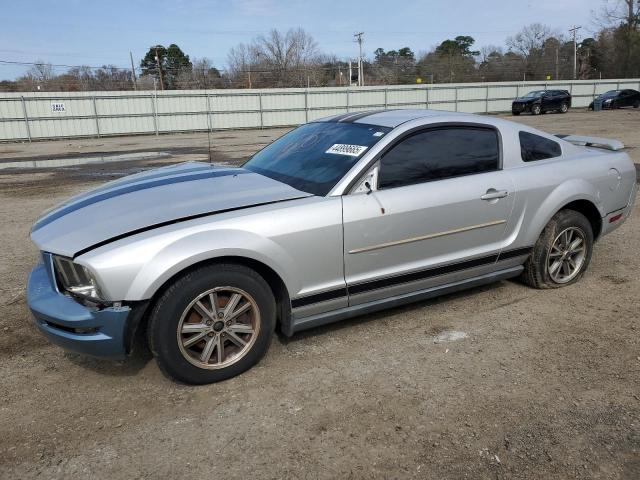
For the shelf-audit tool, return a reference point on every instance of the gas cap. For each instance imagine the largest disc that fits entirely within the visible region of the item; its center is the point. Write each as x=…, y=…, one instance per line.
x=615, y=179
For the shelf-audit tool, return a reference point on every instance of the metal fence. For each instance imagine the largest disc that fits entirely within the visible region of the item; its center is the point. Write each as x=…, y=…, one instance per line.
x=34, y=116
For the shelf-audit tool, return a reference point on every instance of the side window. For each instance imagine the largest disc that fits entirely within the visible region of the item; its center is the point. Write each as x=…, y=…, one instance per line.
x=439, y=153
x=534, y=147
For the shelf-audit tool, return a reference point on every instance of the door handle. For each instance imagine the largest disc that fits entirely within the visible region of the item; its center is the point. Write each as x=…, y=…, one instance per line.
x=493, y=194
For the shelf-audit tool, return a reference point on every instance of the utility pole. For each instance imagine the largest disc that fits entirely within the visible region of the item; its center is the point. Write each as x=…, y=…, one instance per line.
x=574, y=30
x=159, y=70
x=557, y=65
x=133, y=72
x=360, y=66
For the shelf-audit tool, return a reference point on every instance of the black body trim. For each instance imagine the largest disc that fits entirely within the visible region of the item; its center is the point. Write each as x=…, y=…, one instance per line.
x=176, y=220
x=319, y=297
x=305, y=323
x=357, y=288
x=518, y=252
x=421, y=275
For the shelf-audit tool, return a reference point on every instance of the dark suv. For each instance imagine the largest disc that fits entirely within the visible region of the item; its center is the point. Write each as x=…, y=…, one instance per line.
x=617, y=99
x=541, y=101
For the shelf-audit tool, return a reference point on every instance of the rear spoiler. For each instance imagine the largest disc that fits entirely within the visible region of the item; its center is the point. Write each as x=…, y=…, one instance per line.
x=598, y=142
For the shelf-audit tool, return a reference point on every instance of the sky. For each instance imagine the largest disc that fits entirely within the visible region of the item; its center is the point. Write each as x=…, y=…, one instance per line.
x=95, y=33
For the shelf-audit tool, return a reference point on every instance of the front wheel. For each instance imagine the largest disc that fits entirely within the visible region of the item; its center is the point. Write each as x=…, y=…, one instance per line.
x=536, y=110
x=212, y=323
x=562, y=253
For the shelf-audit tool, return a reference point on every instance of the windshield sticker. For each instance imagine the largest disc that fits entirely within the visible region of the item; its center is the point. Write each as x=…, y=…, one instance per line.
x=343, y=149
x=378, y=134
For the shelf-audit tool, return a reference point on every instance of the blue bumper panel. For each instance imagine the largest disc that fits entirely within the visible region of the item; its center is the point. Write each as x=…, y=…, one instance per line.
x=58, y=316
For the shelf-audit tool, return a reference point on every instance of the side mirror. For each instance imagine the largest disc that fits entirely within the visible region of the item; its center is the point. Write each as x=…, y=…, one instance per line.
x=368, y=183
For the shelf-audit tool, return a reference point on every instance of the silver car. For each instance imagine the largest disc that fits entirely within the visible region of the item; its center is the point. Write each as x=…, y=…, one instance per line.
x=339, y=217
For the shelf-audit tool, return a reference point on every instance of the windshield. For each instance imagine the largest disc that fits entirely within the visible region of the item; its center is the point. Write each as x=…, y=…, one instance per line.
x=535, y=94
x=610, y=93
x=315, y=156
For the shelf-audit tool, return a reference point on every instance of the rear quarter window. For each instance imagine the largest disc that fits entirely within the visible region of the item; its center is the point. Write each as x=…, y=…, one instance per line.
x=534, y=147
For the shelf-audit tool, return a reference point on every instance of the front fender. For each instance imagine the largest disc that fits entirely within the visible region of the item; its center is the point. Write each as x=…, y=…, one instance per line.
x=136, y=269
x=202, y=246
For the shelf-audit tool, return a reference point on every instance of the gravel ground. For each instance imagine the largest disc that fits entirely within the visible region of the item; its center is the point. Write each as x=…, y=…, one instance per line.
x=497, y=382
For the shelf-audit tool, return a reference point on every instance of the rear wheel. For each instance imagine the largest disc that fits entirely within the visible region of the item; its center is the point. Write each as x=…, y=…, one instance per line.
x=212, y=323
x=636, y=104
x=564, y=108
x=562, y=253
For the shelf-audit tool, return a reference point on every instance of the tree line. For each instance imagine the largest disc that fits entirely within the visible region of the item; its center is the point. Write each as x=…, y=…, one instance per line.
x=293, y=59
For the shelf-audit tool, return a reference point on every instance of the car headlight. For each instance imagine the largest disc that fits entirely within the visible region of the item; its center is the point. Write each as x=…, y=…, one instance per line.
x=75, y=279
x=608, y=100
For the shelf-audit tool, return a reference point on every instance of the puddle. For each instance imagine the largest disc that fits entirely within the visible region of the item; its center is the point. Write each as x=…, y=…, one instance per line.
x=70, y=162
x=449, y=336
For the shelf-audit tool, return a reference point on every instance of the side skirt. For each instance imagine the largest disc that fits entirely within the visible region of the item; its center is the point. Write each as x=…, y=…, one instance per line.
x=299, y=324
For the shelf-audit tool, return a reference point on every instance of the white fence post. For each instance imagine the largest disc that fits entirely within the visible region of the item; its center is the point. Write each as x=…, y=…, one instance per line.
x=348, y=100
x=155, y=111
x=486, y=100
x=306, y=105
x=261, y=112
x=208, y=113
x=26, y=117
x=95, y=115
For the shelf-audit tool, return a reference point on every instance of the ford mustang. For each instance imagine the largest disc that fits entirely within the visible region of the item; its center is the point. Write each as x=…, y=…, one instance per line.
x=340, y=217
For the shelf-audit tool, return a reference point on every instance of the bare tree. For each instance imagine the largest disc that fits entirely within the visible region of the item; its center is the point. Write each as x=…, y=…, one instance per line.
x=622, y=18
x=275, y=60
x=529, y=43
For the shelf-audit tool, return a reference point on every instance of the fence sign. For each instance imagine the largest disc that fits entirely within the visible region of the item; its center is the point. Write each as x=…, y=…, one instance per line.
x=57, y=107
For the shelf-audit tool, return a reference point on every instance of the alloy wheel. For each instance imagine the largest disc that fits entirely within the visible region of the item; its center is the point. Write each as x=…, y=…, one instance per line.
x=218, y=328
x=567, y=255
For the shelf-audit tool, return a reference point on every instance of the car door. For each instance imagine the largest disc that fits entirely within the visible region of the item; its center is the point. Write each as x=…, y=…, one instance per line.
x=548, y=100
x=438, y=214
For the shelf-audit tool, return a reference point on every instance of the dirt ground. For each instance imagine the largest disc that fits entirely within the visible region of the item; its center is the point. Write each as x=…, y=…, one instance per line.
x=498, y=382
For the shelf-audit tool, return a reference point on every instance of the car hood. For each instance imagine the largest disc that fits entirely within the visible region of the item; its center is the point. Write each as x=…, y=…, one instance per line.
x=524, y=100
x=151, y=199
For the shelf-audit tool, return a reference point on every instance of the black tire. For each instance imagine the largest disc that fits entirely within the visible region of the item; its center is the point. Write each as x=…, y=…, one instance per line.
x=536, y=110
x=167, y=311
x=564, y=108
x=515, y=113
x=536, y=272
x=636, y=104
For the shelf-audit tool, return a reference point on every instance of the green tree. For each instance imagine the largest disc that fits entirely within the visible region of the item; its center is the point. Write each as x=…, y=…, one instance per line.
x=172, y=60
x=459, y=46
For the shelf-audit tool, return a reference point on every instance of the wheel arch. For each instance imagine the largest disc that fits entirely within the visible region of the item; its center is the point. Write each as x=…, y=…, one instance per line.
x=273, y=279
x=575, y=194
x=590, y=211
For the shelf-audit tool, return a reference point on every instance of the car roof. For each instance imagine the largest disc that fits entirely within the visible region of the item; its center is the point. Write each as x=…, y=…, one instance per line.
x=389, y=118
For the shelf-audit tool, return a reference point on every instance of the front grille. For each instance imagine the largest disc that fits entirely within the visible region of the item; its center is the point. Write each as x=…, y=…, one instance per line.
x=517, y=107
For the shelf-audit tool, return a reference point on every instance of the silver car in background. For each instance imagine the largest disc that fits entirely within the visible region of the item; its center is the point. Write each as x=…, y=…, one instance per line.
x=339, y=217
